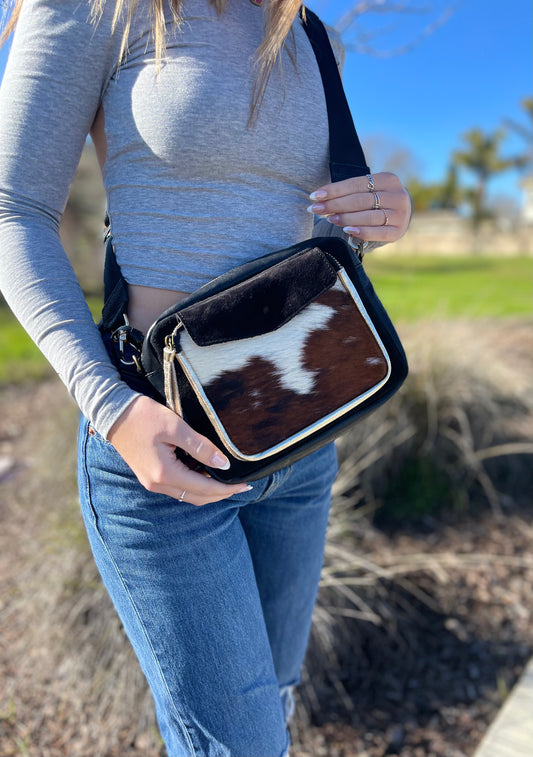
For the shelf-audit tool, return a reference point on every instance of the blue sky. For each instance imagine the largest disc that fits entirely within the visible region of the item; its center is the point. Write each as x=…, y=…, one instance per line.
x=472, y=71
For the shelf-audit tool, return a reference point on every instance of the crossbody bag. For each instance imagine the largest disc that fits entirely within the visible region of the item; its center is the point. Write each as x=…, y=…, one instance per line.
x=281, y=355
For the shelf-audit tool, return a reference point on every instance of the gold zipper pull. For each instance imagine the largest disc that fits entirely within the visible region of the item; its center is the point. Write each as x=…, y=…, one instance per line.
x=172, y=394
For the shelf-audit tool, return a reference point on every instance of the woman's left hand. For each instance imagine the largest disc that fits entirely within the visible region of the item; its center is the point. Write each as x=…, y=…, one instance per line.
x=374, y=208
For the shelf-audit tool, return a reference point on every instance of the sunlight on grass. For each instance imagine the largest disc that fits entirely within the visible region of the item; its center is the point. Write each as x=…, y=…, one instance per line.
x=428, y=287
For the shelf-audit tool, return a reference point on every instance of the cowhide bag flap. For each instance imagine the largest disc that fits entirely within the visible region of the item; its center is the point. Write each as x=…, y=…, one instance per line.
x=277, y=357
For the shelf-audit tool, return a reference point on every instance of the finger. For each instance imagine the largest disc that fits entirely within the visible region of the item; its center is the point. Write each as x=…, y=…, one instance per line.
x=357, y=202
x=379, y=217
x=344, y=204
x=176, y=480
x=383, y=181
x=199, y=500
x=354, y=185
x=374, y=233
x=196, y=445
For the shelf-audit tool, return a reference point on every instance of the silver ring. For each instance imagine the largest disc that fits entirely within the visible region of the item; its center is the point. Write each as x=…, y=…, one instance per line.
x=371, y=187
x=386, y=221
x=377, y=201
x=182, y=495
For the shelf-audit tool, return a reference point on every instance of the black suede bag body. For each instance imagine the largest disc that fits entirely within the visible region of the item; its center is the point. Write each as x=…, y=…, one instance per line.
x=281, y=355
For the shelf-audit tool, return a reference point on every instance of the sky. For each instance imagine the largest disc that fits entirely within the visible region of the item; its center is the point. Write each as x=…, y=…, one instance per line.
x=472, y=71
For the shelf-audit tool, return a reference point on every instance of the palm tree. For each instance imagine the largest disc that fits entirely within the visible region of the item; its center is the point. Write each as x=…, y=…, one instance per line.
x=524, y=160
x=481, y=156
x=445, y=195
x=451, y=193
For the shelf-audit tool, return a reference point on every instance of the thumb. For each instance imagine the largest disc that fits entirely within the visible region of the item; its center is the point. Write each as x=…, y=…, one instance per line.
x=198, y=446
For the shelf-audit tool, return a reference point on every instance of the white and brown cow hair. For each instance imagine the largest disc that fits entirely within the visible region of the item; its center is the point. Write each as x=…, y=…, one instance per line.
x=267, y=388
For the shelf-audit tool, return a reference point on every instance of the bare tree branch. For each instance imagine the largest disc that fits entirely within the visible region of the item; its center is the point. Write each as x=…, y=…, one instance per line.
x=376, y=6
x=362, y=43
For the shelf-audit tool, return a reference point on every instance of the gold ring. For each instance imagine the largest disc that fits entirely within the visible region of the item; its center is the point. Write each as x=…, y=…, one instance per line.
x=182, y=495
x=377, y=201
x=386, y=221
x=371, y=187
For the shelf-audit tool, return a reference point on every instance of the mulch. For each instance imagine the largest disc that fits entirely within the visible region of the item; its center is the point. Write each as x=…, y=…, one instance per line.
x=431, y=685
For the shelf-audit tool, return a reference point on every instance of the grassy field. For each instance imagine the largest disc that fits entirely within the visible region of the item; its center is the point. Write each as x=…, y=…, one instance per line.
x=411, y=289
x=473, y=287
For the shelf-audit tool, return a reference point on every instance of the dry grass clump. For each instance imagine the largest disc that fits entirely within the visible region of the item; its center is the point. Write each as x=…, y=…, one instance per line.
x=466, y=402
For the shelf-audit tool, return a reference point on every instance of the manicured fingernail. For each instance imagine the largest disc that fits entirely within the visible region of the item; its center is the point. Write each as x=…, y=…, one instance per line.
x=333, y=219
x=219, y=461
x=320, y=194
x=316, y=208
x=351, y=230
x=247, y=488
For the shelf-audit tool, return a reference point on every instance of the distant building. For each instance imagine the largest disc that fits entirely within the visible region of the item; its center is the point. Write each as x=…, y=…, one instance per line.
x=446, y=232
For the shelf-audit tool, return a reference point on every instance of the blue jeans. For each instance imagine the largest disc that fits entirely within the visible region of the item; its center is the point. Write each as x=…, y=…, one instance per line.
x=216, y=600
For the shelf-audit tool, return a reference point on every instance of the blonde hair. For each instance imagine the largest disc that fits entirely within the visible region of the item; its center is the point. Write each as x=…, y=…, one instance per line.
x=280, y=16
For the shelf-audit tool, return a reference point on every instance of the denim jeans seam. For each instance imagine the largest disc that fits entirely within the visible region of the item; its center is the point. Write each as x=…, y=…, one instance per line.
x=87, y=483
x=133, y=604
x=99, y=436
x=276, y=480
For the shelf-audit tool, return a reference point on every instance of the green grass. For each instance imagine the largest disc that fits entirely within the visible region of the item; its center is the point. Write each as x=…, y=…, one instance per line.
x=410, y=288
x=20, y=360
x=473, y=287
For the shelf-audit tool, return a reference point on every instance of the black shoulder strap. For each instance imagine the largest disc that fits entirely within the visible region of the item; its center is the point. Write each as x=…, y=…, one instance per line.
x=346, y=155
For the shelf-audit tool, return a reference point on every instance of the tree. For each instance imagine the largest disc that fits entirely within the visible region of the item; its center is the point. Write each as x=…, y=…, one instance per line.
x=524, y=160
x=451, y=193
x=481, y=157
x=446, y=195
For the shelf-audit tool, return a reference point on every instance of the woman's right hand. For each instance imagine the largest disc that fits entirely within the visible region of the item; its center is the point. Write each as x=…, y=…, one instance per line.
x=146, y=435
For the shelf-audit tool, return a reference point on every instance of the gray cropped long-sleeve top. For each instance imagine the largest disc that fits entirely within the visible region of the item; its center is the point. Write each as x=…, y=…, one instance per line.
x=191, y=190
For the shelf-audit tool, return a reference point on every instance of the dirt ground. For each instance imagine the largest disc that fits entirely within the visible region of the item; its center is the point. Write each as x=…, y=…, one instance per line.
x=429, y=690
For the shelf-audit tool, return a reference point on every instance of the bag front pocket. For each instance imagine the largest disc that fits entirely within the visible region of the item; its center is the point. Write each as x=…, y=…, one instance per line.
x=312, y=358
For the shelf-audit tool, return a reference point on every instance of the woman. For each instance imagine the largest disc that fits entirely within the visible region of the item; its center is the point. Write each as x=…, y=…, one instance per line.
x=208, y=160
